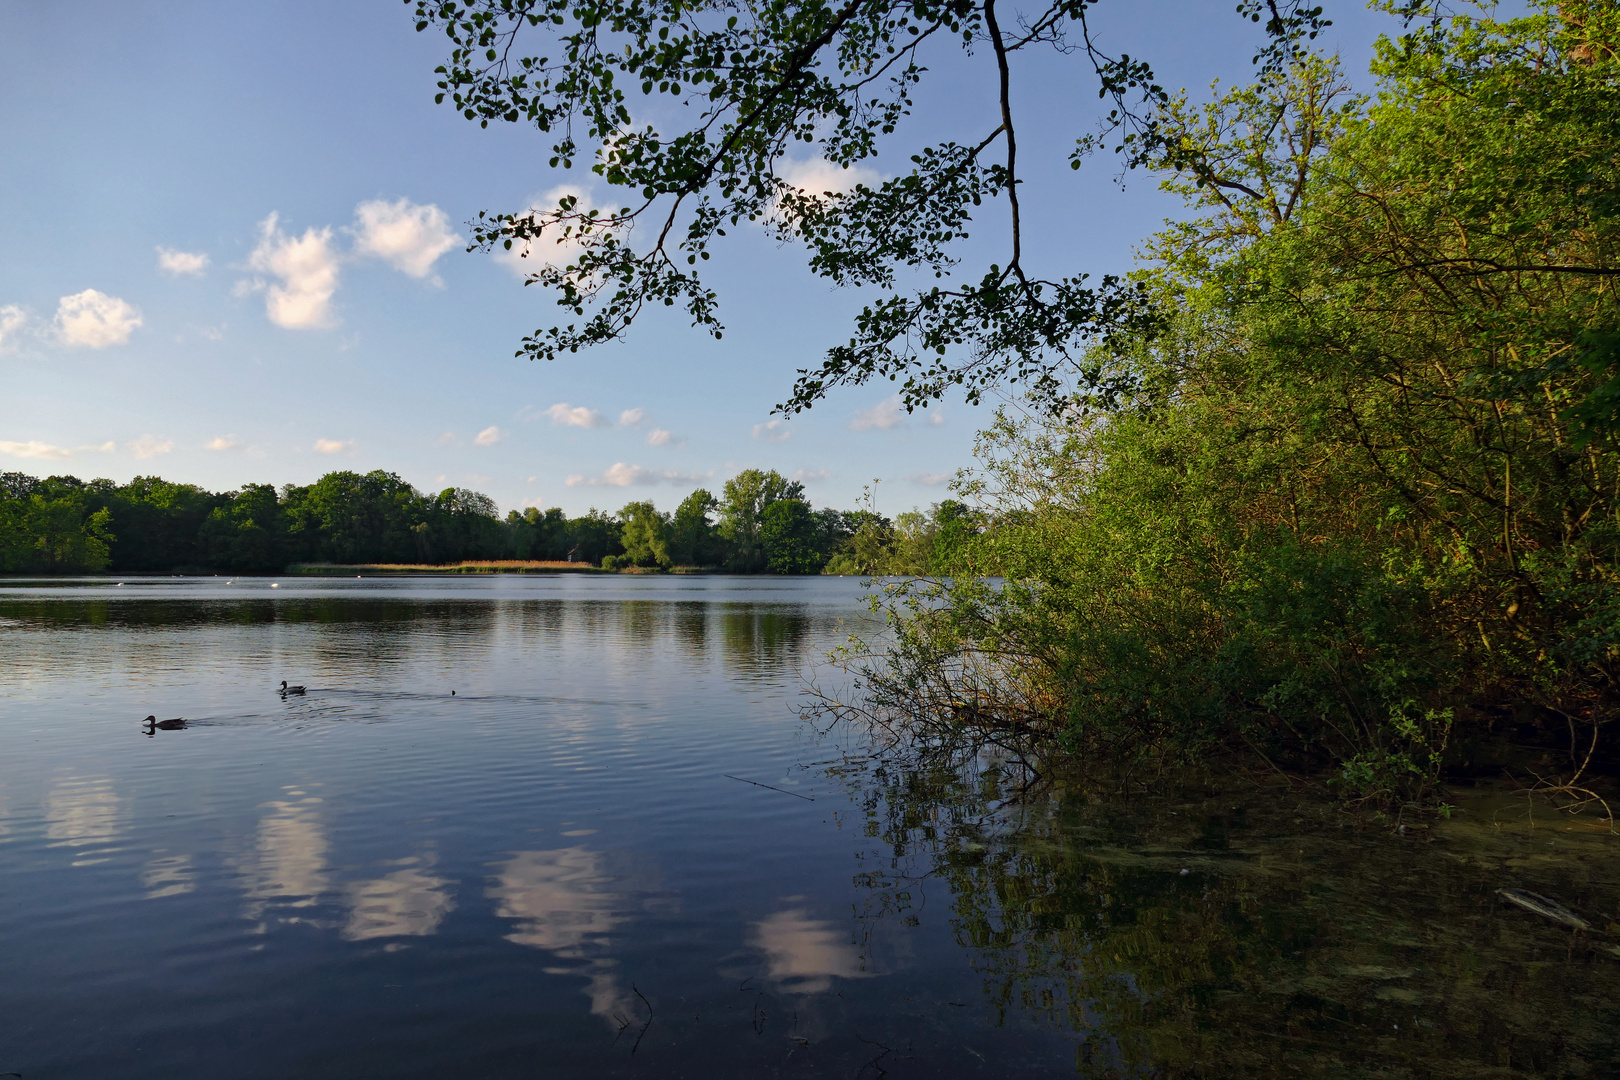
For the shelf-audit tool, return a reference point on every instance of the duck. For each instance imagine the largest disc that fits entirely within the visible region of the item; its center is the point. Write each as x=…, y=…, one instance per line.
x=167, y=725
x=285, y=689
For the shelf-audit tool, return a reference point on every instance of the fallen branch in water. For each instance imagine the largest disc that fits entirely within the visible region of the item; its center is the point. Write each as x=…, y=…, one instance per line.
x=768, y=787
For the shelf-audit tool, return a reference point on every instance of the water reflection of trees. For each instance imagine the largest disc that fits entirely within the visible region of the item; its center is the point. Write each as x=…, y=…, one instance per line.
x=763, y=636
x=374, y=631
x=1294, y=944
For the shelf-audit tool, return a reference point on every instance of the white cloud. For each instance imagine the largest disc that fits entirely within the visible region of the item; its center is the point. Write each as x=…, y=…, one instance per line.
x=181, y=263
x=884, y=415
x=334, y=446
x=12, y=320
x=622, y=475
x=818, y=176
x=148, y=446
x=773, y=430
x=660, y=437
x=527, y=257
x=929, y=479
x=810, y=476
x=94, y=320
x=308, y=270
x=447, y=439
x=936, y=417
x=407, y=236
x=575, y=416
x=488, y=437
x=224, y=442
x=632, y=417
x=46, y=451
x=32, y=449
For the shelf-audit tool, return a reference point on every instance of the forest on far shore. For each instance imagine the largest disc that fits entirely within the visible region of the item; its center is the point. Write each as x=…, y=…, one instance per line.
x=760, y=523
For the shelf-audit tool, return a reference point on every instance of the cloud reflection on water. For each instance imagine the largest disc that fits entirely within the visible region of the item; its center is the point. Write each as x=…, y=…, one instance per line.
x=557, y=899
x=805, y=954
x=560, y=903
x=168, y=875
x=81, y=811
x=288, y=860
x=406, y=903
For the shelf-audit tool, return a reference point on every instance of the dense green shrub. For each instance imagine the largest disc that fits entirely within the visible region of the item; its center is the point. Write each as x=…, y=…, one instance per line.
x=1356, y=489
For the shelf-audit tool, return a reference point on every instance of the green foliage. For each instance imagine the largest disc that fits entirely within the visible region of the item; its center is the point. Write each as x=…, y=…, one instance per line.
x=754, y=78
x=842, y=565
x=159, y=523
x=247, y=534
x=645, y=535
x=936, y=541
x=63, y=525
x=552, y=535
x=790, y=539
x=345, y=517
x=592, y=537
x=742, y=508
x=692, y=537
x=1357, y=490
x=465, y=522
x=52, y=526
x=871, y=542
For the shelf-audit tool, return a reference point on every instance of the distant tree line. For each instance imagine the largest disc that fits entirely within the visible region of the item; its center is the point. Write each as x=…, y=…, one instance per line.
x=760, y=523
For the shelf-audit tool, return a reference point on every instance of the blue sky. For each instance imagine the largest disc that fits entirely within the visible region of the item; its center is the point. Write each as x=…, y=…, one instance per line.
x=232, y=253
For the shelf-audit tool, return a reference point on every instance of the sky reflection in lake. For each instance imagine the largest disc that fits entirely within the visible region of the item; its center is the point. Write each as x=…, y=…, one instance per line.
x=499, y=838
x=496, y=838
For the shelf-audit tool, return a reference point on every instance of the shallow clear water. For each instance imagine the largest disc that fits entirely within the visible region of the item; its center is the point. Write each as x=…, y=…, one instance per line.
x=556, y=871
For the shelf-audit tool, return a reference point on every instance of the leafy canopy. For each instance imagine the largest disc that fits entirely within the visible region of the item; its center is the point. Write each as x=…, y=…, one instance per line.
x=1359, y=502
x=757, y=76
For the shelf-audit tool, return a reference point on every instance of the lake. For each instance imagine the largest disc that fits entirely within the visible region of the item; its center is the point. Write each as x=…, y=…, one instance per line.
x=578, y=826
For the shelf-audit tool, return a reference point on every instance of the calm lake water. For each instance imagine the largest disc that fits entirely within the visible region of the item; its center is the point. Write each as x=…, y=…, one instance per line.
x=555, y=872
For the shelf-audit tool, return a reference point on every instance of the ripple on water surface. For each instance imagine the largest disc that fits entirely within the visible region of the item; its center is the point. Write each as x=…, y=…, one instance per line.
x=547, y=870
x=506, y=833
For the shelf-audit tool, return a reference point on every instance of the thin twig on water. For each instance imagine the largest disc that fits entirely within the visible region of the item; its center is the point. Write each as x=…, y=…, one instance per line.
x=768, y=787
x=645, y=1026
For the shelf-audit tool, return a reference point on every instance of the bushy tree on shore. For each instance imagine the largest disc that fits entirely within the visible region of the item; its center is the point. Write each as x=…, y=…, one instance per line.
x=1354, y=499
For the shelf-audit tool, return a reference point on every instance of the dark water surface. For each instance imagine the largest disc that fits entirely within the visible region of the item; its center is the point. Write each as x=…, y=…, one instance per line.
x=552, y=873
x=380, y=879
